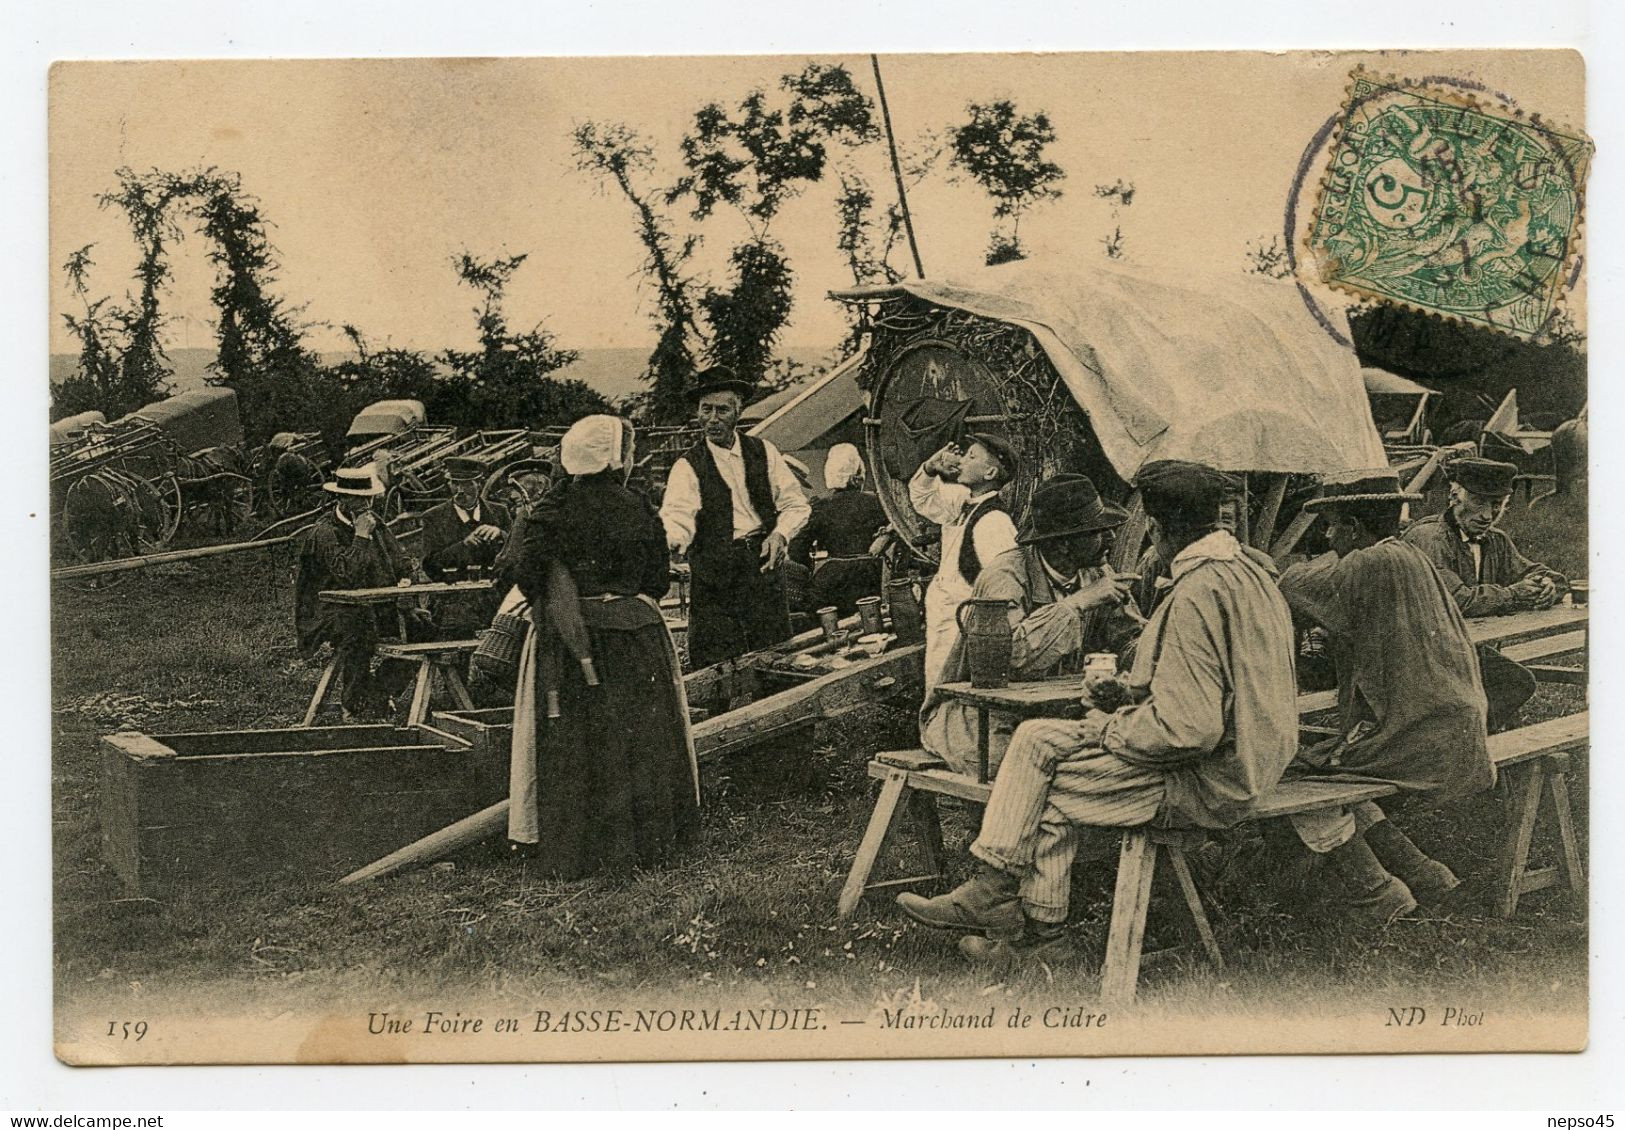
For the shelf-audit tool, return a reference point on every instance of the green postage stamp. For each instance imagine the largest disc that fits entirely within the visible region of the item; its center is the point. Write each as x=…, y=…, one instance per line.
x=1436, y=202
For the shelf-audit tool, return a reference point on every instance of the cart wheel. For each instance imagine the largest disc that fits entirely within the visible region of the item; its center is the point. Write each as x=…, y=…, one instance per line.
x=168, y=490
x=293, y=484
x=99, y=521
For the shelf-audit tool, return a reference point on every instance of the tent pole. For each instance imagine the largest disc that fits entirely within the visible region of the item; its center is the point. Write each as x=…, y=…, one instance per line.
x=896, y=169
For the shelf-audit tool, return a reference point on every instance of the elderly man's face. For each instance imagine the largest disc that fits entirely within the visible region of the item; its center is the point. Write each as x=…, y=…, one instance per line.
x=718, y=414
x=1476, y=513
x=465, y=492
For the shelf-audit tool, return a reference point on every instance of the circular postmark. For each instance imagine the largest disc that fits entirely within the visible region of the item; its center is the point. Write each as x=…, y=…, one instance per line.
x=1435, y=203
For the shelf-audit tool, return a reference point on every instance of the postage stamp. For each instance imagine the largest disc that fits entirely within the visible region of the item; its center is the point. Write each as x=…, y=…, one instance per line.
x=1437, y=202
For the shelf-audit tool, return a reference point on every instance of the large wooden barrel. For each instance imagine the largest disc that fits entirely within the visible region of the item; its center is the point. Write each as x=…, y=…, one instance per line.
x=927, y=362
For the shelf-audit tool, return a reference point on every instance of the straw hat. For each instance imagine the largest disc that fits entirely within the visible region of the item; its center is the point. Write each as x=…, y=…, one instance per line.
x=356, y=482
x=1377, y=484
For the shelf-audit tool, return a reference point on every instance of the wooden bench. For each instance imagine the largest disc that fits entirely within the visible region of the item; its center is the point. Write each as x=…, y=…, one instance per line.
x=436, y=660
x=1535, y=760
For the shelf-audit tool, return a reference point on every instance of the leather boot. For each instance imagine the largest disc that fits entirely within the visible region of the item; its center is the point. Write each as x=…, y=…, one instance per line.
x=988, y=901
x=1427, y=878
x=1376, y=896
x=1039, y=941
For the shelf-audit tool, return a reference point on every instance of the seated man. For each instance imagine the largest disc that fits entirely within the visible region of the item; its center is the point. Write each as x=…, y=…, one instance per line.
x=350, y=547
x=1411, y=709
x=460, y=540
x=1484, y=571
x=1064, y=603
x=1216, y=727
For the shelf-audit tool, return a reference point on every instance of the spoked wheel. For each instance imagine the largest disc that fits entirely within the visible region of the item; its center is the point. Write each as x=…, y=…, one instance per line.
x=220, y=504
x=293, y=485
x=108, y=515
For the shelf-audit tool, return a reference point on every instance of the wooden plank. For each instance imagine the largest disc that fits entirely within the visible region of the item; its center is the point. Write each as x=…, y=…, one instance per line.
x=1545, y=647
x=1557, y=782
x=1272, y=510
x=1501, y=631
x=1306, y=796
x=874, y=839
x=425, y=649
x=1293, y=534
x=383, y=594
x=1564, y=734
x=1514, y=854
x=1131, y=902
x=1193, y=903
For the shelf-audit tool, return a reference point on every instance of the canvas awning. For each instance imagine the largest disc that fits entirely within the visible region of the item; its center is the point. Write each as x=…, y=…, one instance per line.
x=1381, y=381
x=1233, y=372
x=808, y=411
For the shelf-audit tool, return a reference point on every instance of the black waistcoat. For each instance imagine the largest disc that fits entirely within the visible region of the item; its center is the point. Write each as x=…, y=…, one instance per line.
x=970, y=565
x=714, y=527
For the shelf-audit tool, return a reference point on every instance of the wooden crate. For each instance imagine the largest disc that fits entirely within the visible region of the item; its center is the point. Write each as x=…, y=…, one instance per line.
x=229, y=808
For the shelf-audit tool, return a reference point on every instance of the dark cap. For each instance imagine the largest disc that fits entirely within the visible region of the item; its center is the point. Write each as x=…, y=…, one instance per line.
x=1484, y=476
x=1189, y=493
x=462, y=467
x=1066, y=505
x=1001, y=450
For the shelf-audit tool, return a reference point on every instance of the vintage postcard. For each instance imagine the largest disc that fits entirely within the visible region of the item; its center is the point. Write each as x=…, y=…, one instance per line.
x=816, y=557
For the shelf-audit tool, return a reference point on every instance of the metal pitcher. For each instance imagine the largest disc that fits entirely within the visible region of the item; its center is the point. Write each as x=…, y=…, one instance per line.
x=903, y=602
x=984, y=627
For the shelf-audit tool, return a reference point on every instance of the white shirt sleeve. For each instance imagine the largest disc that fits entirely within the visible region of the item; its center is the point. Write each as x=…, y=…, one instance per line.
x=937, y=500
x=680, y=508
x=995, y=533
x=788, y=498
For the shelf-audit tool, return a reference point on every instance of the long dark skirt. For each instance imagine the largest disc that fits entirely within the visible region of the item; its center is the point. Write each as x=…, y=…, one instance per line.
x=614, y=785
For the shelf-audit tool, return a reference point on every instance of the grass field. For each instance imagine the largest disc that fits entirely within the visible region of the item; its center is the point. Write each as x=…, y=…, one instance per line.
x=747, y=917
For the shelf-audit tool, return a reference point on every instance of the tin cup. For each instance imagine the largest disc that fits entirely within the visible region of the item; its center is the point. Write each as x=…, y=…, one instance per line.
x=830, y=620
x=1098, y=666
x=1580, y=593
x=869, y=613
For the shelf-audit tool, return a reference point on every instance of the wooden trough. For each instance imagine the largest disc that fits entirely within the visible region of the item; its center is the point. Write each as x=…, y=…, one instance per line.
x=229, y=808
x=759, y=698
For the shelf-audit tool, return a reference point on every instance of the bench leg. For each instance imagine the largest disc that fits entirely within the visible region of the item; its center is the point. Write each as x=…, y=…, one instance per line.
x=1557, y=782
x=459, y=690
x=322, y=685
x=420, y=693
x=1136, y=867
x=892, y=793
x=1193, y=903
x=1525, y=789
x=928, y=825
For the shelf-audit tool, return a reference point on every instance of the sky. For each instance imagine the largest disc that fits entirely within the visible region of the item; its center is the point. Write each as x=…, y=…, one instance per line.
x=377, y=173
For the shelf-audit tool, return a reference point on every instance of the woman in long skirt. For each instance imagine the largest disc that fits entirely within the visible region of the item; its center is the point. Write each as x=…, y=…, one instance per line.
x=604, y=776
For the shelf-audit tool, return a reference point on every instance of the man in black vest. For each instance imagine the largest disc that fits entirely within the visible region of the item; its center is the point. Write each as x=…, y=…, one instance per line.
x=733, y=505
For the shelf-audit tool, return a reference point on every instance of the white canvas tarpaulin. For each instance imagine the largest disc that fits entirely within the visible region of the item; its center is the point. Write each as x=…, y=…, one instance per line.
x=1234, y=373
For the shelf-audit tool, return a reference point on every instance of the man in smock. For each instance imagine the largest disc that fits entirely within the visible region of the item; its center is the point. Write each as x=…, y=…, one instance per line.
x=1215, y=725
x=733, y=505
x=1411, y=711
x=959, y=491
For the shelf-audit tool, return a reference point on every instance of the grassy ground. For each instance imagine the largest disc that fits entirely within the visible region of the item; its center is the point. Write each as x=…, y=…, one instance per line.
x=748, y=917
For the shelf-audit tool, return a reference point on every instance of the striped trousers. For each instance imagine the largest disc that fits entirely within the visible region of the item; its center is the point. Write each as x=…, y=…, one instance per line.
x=1050, y=783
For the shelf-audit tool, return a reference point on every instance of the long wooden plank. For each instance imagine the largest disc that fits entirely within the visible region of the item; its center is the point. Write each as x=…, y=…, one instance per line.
x=1537, y=649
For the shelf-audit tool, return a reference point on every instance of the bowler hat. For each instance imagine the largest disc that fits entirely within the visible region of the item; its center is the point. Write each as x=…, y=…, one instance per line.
x=1066, y=505
x=1376, y=484
x=999, y=449
x=1484, y=476
x=357, y=482
x=719, y=378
